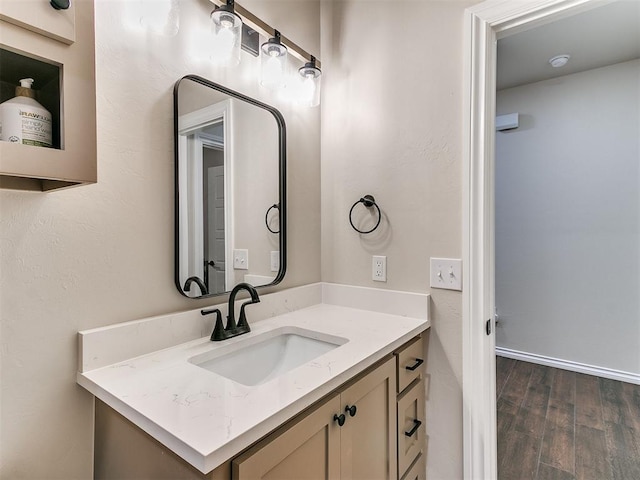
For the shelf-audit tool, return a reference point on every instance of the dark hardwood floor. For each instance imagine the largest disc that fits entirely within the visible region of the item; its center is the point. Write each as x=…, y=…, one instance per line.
x=559, y=425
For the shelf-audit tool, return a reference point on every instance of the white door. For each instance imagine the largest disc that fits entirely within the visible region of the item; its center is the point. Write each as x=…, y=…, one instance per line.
x=216, y=244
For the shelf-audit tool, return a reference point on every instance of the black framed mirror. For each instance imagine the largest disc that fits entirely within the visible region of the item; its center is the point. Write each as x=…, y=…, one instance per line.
x=230, y=189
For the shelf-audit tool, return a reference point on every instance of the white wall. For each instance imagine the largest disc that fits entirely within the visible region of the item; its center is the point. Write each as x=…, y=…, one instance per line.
x=96, y=255
x=568, y=218
x=256, y=187
x=392, y=127
x=101, y=254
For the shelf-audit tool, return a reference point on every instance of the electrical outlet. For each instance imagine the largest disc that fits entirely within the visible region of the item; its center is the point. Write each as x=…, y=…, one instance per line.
x=446, y=273
x=379, y=268
x=275, y=261
x=241, y=259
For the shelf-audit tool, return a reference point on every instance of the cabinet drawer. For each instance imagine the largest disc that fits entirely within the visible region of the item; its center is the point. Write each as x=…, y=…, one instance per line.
x=411, y=426
x=410, y=363
x=418, y=470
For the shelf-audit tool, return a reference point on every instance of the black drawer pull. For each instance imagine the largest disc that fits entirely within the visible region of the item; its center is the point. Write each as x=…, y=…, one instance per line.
x=416, y=426
x=340, y=419
x=419, y=362
x=351, y=409
x=60, y=4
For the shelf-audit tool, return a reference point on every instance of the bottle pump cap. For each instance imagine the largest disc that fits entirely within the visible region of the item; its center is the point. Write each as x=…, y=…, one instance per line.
x=24, y=90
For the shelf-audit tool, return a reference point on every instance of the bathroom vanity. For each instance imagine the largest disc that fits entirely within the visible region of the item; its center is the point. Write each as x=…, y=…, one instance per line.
x=356, y=410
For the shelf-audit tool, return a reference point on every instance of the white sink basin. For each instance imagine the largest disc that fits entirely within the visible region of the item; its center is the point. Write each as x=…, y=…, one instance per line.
x=264, y=357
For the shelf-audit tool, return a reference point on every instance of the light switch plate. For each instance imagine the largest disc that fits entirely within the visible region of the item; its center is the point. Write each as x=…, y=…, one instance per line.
x=241, y=259
x=446, y=273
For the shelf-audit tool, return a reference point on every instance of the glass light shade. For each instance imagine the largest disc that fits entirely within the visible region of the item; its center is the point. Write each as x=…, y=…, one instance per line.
x=161, y=17
x=273, y=64
x=227, y=36
x=311, y=78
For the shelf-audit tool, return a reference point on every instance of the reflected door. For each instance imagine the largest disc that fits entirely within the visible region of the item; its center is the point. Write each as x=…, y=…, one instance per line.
x=214, y=204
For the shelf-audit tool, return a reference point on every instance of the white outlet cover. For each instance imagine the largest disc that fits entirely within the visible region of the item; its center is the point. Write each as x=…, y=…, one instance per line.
x=241, y=259
x=379, y=268
x=446, y=273
x=275, y=260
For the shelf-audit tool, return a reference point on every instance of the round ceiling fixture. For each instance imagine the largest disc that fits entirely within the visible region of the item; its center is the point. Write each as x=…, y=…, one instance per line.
x=559, y=60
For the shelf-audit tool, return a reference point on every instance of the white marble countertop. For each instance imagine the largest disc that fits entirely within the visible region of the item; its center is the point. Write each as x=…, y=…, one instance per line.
x=206, y=418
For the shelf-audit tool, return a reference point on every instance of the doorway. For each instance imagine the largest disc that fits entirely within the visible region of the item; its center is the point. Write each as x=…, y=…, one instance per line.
x=567, y=210
x=485, y=24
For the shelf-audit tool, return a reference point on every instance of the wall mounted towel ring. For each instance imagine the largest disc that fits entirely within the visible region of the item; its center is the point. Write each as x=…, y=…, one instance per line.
x=266, y=217
x=368, y=201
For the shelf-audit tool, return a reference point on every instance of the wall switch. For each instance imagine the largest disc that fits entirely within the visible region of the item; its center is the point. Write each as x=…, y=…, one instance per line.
x=446, y=273
x=241, y=259
x=379, y=268
x=275, y=261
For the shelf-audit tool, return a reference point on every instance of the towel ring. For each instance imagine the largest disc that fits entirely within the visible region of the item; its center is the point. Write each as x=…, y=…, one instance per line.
x=266, y=217
x=368, y=201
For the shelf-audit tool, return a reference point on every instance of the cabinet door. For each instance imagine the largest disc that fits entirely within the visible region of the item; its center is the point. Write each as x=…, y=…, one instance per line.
x=309, y=449
x=368, y=439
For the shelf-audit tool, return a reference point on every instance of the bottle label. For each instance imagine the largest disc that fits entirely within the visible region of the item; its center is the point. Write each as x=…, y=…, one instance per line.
x=22, y=124
x=36, y=129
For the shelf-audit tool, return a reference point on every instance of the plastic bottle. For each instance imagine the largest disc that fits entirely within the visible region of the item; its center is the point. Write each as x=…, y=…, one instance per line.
x=24, y=120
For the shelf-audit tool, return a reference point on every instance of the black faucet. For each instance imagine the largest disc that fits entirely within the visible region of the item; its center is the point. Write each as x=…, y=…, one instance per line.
x=232, y=329
x=201, y=284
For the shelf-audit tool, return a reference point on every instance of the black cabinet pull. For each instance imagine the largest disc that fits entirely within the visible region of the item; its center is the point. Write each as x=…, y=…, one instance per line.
x=416, y=426
x=340, y=419
x=419, y=362
x=351, y=409
x=60, y=4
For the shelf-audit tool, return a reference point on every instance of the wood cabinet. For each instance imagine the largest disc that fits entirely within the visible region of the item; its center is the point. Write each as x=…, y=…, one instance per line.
x=57, y=49
x=411, y=419
x=411, y=426
x=309, y=449
x=375, y=440
x=417, y=471
x=318, y=447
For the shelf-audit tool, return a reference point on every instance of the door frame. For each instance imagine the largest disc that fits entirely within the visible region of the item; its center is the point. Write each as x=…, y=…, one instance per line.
x=221, y=112
x=484, y=24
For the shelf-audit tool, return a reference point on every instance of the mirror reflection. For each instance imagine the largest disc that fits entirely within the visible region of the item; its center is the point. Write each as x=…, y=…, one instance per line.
x=230, y=189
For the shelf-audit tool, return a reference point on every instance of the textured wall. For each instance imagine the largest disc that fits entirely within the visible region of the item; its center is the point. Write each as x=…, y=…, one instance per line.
x=392, y=127
x=101, y=254
x=96, y=255
x=568, y=218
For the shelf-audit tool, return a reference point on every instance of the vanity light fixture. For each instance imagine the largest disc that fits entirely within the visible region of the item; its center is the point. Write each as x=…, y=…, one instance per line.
x=303, y=88
x=273, y=62
x=227, y=33
x=311, y=77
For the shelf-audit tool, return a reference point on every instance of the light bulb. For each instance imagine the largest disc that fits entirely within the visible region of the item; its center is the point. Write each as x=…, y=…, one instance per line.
x=226, y=31
x=272, y=72
x=222, y=46
x=310, y=78
x=273, y=63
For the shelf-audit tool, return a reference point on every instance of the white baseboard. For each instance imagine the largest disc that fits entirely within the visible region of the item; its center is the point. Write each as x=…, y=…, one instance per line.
x=569, y=365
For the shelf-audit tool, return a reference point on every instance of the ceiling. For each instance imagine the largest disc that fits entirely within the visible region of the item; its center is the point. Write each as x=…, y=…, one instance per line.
x=602, y=36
